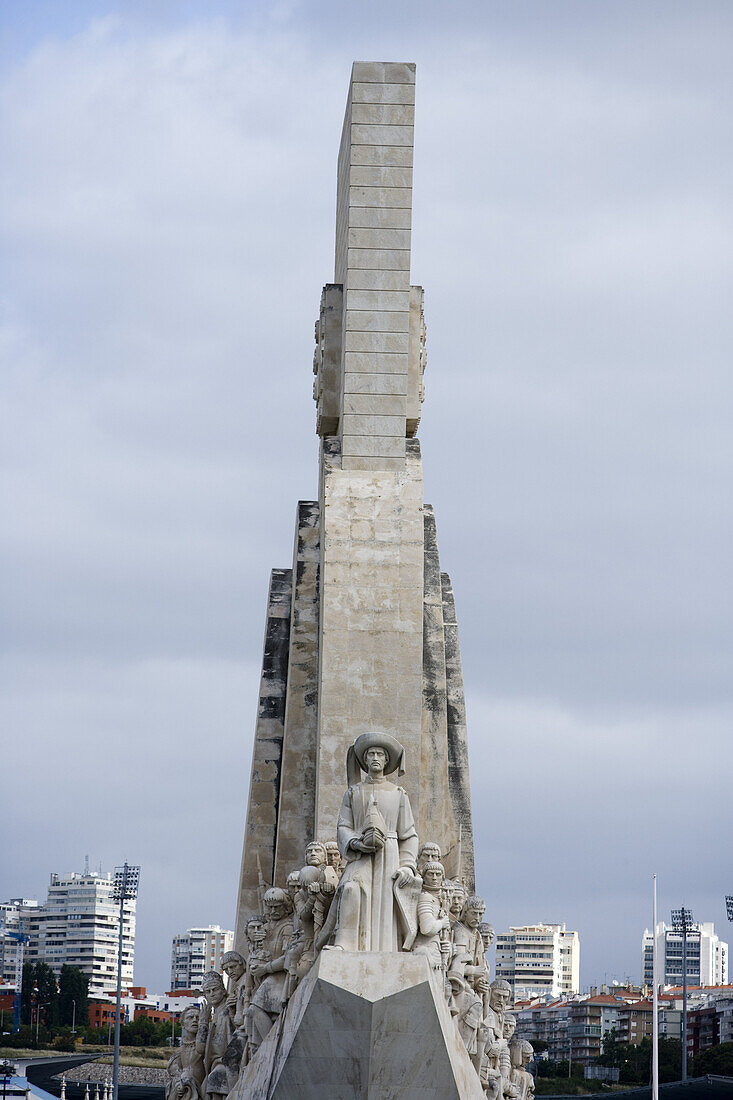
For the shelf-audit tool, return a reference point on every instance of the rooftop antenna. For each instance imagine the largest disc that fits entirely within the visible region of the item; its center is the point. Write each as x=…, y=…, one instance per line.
x=86, y=865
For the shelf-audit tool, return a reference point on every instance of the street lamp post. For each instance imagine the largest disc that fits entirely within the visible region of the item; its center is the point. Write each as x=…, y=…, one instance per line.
x=125, y=887
x=73, y=1016
x=682, y=922
x=39, y=1006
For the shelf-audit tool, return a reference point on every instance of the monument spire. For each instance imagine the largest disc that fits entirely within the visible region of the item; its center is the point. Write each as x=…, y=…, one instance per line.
x=361, y=631
x=360, y=965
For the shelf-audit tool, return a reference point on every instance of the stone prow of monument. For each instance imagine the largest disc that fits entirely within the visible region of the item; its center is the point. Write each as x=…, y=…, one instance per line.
x=361, y=631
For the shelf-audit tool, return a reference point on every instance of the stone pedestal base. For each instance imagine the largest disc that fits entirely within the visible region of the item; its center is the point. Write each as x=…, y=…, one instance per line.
x=363, y=1026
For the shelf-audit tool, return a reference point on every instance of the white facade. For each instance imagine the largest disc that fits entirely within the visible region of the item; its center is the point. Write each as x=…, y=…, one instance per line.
x=539, y=960
x=707, y=956
x=17, y=915
x=195, y=951
x=80, y=926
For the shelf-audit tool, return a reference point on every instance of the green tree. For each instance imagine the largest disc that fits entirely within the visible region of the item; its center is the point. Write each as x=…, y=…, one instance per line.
x=717, y=1059
x=47, y=1001
x=73, y=987
x=143, y=1032
x=611, y=1053
x=670, y=1059
x=26, y=1001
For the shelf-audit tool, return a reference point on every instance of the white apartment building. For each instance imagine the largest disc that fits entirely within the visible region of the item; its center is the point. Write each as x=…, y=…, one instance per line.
x=195, y=951
x=17, y=915
x=80, y=926
x=539, y=960
x=707, y=956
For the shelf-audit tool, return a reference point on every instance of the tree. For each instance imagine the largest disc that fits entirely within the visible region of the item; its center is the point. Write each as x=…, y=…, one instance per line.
x=670, y=1059
x=611, y=1053
x=717, y=1059
x=143, y=1032
x=47, y=1002
x=26, y=1001
x=73, y=987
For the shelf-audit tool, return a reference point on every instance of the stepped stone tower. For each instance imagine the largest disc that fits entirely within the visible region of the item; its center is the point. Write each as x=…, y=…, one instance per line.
x=361, y=631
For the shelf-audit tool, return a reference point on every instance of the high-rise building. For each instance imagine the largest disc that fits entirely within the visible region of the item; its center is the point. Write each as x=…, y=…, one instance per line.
x=17, y=915
x=80, y=926
x=539, y=960
x=195, y=951
x=707, y=956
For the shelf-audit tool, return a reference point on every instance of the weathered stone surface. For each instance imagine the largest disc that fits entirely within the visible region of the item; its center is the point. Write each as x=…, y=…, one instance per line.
x=260, y=830
x=296, y=816
x=437, y=807
x=371, y=617
x=416, y=361
x=327, y=360
x=460, y=790
x=363, y=1027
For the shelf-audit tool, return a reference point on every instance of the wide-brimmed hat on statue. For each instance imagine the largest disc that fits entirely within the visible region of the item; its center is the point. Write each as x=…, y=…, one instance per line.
x=374, y=739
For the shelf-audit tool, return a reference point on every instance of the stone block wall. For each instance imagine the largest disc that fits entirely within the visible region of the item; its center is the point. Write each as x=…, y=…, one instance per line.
x=373, y=225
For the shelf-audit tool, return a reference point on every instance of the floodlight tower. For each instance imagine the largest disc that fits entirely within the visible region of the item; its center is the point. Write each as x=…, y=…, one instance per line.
x=729, y=906
x=682, y=922
x=125, y=886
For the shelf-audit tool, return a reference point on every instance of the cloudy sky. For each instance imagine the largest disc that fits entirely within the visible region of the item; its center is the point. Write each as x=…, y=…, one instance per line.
x=168, y=198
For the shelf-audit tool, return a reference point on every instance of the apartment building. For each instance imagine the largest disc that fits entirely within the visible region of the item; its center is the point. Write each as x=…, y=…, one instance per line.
x=78, y=925
x=195, y=951
x=707, y=955
x=539, y=960
x=18, y=915
x=576, y=1027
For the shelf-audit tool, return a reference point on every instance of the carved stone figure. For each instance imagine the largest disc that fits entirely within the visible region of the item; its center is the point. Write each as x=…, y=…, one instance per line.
x=255, y=935
x=495, y=1066
x=469, y=978
x=377, y=838
x=267, y=999
x=428, y=853
x=333, y=857
x=186, y=1067
x=235, y=968
x=305, y=887
x=487, y=935
x=327, y=883
x=521, y=1053
x=292, y=885
x=214, y=1034
x=457, y=895
x=433, y=938
x=224, y=1076
x=309, y=881
x=505, y=1061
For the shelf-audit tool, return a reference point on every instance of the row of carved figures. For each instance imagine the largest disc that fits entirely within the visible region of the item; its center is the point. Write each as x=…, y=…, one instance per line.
x=373, y=889
x=219, y=1039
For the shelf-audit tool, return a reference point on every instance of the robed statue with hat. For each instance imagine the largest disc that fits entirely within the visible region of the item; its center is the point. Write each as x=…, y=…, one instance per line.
x=374, y=905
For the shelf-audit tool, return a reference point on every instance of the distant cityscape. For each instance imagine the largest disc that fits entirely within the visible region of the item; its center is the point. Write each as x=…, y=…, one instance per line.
x=78, y=926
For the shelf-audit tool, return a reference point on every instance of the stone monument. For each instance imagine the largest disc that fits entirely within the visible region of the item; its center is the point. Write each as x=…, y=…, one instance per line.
x=359, y=968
